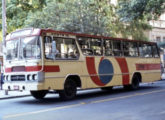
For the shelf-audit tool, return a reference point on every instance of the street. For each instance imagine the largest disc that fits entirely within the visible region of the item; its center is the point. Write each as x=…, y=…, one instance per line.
x=147, y=103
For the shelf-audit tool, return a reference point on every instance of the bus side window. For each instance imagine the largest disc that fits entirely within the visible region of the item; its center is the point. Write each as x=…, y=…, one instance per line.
x=117, y=48
x=108, y=48
x=48, y=47
x=95, y=45
x=126, y=46
x=85, y=45
x=155, y=51
x=67, y=48
x=130, y=49
x=145, y=50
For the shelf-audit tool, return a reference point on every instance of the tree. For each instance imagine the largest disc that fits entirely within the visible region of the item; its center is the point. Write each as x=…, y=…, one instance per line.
x=82, y=16
x=131, y=10
x=136, y=14
x=17, y=11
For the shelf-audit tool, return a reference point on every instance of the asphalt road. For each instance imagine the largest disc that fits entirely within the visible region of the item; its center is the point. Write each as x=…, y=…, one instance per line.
x=147, y=103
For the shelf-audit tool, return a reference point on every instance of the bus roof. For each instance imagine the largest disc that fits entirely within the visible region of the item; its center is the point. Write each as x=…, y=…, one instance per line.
x=37, y=31
x=92, y=36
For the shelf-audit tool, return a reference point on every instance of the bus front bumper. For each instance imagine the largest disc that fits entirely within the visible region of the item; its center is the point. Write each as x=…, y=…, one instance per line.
x=22, y=86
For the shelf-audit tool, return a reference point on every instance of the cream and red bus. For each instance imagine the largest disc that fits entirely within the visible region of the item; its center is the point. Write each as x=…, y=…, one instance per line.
x=42, y=60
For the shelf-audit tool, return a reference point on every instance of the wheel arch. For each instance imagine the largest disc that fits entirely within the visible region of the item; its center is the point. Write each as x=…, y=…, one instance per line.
x=138, y=74
x=75, y=78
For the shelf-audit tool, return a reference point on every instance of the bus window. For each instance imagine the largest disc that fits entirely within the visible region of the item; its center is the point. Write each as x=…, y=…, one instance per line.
x=130, y=49
x=108, y=48
x=12, y=49
x=48, y=47
x=126, y=48
x=90, y=46
x=117, y=48
x=133, y=49
x=145, y=50
x=155, y=51
x=66, y=48
x=96, y=47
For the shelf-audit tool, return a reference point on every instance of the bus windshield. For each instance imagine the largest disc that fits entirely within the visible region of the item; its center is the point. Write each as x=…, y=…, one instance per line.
x=23, y=48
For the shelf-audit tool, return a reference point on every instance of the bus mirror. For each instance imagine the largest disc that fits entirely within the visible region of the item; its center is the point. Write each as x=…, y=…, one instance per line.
x=54, y=49
x=53, y=46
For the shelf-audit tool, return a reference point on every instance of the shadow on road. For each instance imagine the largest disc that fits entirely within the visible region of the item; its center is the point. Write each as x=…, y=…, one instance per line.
x=88, y=95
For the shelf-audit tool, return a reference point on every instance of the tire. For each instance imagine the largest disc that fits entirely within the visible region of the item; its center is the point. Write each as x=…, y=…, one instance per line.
x=39, y=94
x=70, y=90
x=107, y=88
x=134, y=85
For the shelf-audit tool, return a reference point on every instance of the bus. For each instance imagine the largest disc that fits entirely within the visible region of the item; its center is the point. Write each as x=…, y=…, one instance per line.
x=43, y=60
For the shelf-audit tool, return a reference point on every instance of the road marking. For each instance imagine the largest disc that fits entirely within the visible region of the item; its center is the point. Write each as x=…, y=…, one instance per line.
x=42, y=111
x=82, y=103
x=127, y=96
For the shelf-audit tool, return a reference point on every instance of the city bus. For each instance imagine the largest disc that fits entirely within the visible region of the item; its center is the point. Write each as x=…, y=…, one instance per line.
x=44, y=60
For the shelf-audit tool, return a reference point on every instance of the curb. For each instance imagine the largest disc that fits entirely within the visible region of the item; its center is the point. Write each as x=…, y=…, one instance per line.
x=10, y=97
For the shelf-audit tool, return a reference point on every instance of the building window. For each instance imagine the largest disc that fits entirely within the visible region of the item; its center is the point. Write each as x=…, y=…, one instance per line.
x=158, y=39
x=163, y=39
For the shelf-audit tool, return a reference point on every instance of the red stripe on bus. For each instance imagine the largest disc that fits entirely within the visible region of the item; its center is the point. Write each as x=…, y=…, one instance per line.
x=124, y=69
x=8, y=70
x=148, y=66
x=47, y=68
x=55, y=68
x=90, y=62
x=33, y=68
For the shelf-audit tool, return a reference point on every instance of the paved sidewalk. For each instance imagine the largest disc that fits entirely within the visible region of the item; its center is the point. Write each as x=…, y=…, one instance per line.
x=13, y=94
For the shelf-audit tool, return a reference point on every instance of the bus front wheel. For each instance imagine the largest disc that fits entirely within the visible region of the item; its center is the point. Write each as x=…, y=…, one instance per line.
x=39, y=94
x=70, y=90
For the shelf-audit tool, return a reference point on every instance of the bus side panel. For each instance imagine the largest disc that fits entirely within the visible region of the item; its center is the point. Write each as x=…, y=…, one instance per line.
x=102, y=72
x=56, y=80
x=149, y=68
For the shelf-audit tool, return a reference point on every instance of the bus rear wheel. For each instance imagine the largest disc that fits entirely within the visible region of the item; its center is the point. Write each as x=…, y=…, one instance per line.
x=70, y=90
x=39, y=94
x=134, y=85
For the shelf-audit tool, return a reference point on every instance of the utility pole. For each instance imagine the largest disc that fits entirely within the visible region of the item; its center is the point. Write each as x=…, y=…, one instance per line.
x=4, y=26
x=4, y=29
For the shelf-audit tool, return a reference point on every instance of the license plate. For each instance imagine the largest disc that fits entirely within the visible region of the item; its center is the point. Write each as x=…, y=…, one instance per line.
x=16, y=87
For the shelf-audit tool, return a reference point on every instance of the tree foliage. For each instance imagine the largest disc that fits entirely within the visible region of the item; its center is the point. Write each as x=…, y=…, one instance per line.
x=17, y=11
x=137, y=13
x=84, y=16
x=96, y=17
x=131, y=10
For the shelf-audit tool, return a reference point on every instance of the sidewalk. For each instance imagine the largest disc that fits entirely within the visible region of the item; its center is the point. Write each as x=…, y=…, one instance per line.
x=13, y=94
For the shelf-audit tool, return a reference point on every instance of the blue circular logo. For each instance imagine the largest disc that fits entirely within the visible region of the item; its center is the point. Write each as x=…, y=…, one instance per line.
x=106, y=71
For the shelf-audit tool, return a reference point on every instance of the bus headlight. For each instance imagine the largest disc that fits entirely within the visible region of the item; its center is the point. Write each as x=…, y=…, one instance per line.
x=7, y=78
x=29, y=77
x=34, y=77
